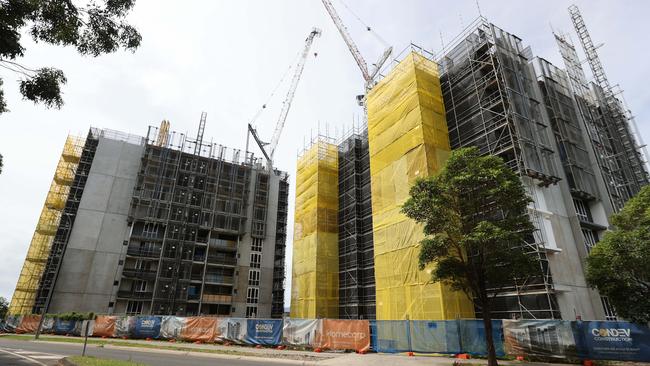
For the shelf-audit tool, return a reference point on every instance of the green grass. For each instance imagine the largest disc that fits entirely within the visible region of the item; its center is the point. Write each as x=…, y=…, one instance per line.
x=93, y=361
x=170, y=346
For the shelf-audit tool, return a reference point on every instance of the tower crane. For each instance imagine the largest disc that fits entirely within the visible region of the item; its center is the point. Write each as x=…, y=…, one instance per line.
x=368, y=76
x=286, y=104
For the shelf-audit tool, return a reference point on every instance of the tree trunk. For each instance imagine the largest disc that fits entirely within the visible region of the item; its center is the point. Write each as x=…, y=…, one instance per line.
x=489, y=340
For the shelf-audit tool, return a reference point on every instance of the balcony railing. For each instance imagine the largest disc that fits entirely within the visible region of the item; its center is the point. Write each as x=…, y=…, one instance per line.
x=213, y=278
x=134, y=294
x=221, y=299
x=218, y=259
x=142, y=252
x=139, y=273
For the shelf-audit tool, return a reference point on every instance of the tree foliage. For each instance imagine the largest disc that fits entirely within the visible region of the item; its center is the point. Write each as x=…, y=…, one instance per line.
x=619, y=265
x=94, y=29
x=475, y=221
x=4, y=307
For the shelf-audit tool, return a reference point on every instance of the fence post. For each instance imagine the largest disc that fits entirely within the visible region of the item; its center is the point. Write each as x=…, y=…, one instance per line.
x=460, y=335
x=85, y=325
x=408, y=333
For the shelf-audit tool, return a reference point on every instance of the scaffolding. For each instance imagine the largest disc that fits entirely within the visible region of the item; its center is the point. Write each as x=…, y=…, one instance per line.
x=188, y=213
x=279, y=274
x=24, y=298
x=493, y=103
x=408, y=139
x=608, y=120
x=594, y=124
x=314, y=290
x=356, y=252
x=569, y=134
x=84, y=152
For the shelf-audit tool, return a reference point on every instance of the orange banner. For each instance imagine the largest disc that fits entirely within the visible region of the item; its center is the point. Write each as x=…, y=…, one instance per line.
x=104, y=326
x=29, y=324
x=200, y=328
x=344, y=334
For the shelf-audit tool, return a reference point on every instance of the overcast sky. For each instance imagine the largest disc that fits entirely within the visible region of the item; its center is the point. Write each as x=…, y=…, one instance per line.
x=225, y=57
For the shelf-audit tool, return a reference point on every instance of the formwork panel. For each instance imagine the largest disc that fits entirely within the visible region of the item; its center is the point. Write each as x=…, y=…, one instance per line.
x=408, y=139
x=314, y=290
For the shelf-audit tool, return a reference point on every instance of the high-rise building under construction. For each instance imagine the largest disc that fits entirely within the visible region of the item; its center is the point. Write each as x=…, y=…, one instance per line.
x=570, y=141
x=162, y=224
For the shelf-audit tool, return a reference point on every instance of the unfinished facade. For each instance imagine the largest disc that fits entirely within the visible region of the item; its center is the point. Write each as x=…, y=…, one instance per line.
x=508, y=103
x=570, y=141
x=165, y=224
x=356, y=252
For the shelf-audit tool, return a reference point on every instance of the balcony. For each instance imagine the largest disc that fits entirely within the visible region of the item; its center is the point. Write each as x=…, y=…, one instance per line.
x=220, y=299
x=221, y=260
x=214, y=278
x=144, y=237
x=221, y=244
x=142, y=252
x=145, y=274
x=129, y=294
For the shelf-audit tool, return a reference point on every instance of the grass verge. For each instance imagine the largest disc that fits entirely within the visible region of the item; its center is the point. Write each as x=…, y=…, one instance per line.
x=94, y=361
x=171, y=346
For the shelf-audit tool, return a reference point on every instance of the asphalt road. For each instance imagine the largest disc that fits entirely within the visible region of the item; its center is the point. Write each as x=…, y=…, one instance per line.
x=14, y=352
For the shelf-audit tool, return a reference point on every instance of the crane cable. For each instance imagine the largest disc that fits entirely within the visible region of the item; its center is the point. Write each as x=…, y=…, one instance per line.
x=368, y=27
x=275, y=89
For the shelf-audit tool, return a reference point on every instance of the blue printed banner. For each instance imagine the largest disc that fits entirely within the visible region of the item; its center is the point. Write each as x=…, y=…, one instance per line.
x=615, y=340
x=65, y=326
x=264, y=331
x=146, y=327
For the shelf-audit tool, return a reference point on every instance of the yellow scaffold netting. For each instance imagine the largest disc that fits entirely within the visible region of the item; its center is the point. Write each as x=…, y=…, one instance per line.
x=315, y=277
x=407, y=134
x=24, y=296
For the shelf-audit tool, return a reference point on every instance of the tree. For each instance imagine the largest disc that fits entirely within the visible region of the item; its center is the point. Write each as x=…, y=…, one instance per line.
x=618, y=265
x=475, y=221
x=4, y=307
x=94, y=29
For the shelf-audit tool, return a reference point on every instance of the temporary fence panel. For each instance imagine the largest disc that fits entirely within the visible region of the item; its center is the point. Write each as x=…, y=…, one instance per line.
x=612, y=340
x=104, y=326
x=199, y=328
x=314, y=291
x=28, y=324
x=233, y=330
x=391, y=336
x=144, y=326
x=123, y=326
x=171, y=326
x=408, y=139
x=48, y=325
x=300, y=332
x=434, y=336
x=12, y=322
x=472, y=337
x=90, y=324
x=64, y=327
x=542, y=338
x=264, y=331
x=343, y=334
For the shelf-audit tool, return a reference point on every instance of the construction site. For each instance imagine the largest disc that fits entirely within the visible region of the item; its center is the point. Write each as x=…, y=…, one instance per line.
x=160, y=224
x=168, y=224
x=572, y=143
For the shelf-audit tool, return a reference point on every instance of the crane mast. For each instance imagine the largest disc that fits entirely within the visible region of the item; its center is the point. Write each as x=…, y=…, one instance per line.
x=361, y=62
x=286, y=104
x=348, y=39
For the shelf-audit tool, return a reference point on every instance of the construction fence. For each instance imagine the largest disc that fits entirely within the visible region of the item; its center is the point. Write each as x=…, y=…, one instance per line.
x=597, y=340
